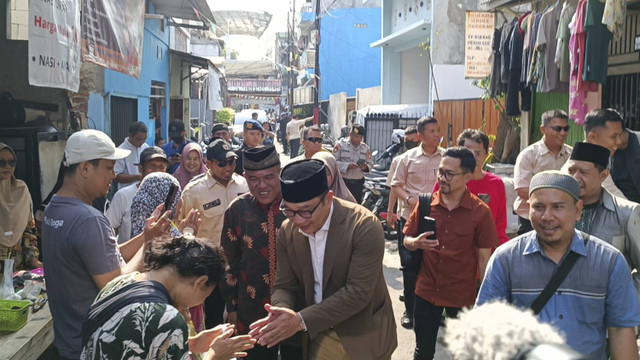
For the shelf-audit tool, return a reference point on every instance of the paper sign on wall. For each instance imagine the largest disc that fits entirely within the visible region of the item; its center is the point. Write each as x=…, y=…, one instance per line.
x=113, y=33
x=479, y=30
x=54, y=43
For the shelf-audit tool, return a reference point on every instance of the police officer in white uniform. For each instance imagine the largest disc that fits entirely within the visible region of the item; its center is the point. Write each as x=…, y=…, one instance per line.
x=354, y=159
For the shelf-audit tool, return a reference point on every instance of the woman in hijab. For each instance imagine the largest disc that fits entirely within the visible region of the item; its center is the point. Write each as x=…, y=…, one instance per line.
x=152, y=192
x=191, y=165
x=336, y=183
x=18, y=239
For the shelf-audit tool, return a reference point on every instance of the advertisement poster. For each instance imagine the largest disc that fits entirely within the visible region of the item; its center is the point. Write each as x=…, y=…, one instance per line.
x=479, y=30
x=112, y=34
x=54, y=47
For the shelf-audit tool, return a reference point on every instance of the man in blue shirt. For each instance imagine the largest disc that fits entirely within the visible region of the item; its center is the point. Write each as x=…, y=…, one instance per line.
x=596, y=296
x=174, y=148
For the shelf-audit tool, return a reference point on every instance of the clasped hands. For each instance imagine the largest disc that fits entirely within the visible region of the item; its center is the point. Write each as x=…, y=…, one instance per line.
x=219, y=344
x=279, y=325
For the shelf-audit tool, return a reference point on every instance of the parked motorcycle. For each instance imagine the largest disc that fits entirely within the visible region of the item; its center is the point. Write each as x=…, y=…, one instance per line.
x=397, y=142
x=376, y=197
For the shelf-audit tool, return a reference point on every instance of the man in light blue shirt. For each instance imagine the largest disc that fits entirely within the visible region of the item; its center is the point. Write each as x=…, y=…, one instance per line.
x=597, y=295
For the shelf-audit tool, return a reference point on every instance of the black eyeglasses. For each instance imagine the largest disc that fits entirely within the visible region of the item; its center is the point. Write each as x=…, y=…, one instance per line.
x=4, y=163
x=305, y=214
x=560, y=128
x=226, y=163
x=316, y=140
x=448, y=175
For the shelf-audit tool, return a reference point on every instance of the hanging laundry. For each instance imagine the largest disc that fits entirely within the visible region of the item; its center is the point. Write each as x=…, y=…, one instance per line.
x=532, y=78
x=515, y=67
x=505, y=53
x=495, y=85
x=549, y=78
x=615, y=13
x=578, y=88
x=562, y=35
x=527, y=46
x=596, y=56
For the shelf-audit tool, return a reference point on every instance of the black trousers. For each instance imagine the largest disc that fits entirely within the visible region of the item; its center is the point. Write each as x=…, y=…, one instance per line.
x=355, y=187
x=524, y=226
x=426, y=322
x=263, y=353
x=285, y=143
x=409, y=271
x=294, y=145
x=213, y=309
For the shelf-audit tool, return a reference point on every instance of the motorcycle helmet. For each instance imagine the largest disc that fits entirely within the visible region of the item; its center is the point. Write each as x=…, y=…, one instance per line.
x=397, y=136
x=344, y=131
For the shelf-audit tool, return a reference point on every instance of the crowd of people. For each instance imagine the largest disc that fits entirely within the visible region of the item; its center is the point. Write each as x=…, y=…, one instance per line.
x=218, y=253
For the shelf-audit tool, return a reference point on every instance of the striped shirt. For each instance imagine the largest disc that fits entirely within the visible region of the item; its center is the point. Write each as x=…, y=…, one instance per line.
x=597, y=293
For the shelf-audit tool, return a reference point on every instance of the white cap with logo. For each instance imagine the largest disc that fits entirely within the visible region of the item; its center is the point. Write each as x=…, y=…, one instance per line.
x=90, y=144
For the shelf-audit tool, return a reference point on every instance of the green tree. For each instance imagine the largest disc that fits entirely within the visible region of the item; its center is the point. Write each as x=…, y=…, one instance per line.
x=225, y=116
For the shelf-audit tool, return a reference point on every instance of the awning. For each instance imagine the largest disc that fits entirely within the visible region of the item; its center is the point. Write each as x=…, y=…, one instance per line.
x=404, y=111
x=239, y=22
x=184, y=9
x=194, y=60
x=248, y=68
x=416, y=32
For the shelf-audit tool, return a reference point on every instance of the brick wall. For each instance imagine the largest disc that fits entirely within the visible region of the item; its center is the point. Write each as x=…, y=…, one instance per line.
x=17, y=19
x=91, y=81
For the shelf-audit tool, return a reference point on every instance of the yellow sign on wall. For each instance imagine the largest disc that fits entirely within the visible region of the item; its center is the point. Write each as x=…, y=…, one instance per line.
x=479, y=30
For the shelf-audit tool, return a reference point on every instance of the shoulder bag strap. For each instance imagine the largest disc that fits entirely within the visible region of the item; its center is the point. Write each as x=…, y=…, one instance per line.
x=425, y=204
x=557, y=279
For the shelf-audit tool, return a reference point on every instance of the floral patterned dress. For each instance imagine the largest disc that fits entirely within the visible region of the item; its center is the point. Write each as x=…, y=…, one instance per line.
x=24, y=251
x=138, y=331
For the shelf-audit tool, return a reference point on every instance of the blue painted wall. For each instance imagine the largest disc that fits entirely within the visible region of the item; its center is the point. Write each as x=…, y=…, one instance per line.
x=155, y=67
x=346, y=60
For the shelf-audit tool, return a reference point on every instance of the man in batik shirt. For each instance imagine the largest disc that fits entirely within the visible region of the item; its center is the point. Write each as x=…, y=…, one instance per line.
x=251, y=224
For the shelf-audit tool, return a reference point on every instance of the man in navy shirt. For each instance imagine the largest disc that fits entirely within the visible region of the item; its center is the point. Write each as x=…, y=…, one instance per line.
x=173, y=148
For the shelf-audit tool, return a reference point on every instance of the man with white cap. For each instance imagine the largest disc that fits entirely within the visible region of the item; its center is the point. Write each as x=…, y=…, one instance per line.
x=576, y=282
x=79, y=245
x=329, y=283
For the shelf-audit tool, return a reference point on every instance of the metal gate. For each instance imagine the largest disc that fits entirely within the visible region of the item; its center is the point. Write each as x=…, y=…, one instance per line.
x=622, y=92
x=379, y=129
x=124, y=111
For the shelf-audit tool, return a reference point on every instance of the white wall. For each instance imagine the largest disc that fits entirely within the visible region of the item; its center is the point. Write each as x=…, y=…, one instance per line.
x=408, y=12
x=367, y=97
x=414, y=79
x=451, y=83
x=337, y=112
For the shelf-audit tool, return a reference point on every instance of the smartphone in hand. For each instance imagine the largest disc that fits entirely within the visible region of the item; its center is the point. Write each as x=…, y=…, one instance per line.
x=173, y=190
x=428, y=224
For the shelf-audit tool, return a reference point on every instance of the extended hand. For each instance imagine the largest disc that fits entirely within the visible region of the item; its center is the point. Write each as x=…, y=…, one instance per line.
x=203, y=340
x=225, y=347
x=279, y=325
x=157, y=224
x=192, y=220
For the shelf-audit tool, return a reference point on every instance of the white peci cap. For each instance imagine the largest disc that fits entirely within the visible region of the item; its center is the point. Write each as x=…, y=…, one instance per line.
x=89, y=144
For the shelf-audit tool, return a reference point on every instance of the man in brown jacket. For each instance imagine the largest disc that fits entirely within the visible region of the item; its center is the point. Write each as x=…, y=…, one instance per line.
x=329, y=281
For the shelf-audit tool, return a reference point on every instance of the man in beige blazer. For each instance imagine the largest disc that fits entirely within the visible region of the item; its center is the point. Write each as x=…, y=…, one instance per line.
x=329, y=279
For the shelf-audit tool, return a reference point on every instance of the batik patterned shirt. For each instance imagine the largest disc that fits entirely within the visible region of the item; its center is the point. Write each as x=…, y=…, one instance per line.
x=249, y=244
